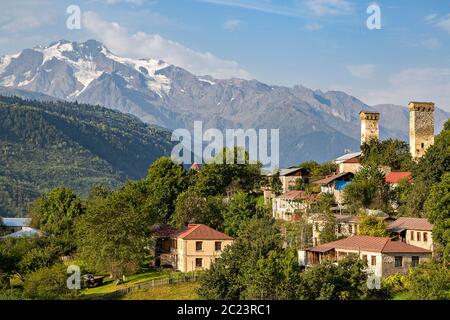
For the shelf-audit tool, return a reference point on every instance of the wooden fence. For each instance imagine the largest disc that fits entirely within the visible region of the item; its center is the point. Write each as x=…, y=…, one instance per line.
x=149, y=284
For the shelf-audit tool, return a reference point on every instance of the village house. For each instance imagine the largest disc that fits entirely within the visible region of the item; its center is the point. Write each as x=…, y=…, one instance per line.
x=290, y=176
x=350, y=162
x=335, y=184
x=346, y=225
x=383, y=256
x=413, y=231
x=163, y=240
x=196, y=247
x=291, y=205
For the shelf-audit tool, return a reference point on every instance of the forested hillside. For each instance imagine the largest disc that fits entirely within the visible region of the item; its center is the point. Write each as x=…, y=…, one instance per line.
x=48, y=144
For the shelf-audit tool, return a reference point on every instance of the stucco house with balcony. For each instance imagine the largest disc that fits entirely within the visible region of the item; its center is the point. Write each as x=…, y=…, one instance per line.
x=196, y=247
x=291, y=205
x=383, y=256
x=414, y=231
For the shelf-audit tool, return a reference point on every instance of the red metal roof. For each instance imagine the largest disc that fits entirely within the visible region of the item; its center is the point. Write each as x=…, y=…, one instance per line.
x=410, y=223
x=396, y=177
x=370, y=244
x=201, y=232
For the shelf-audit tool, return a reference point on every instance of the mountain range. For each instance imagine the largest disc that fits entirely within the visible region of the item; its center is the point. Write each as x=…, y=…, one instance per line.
x=314, y=125
x=45, y=145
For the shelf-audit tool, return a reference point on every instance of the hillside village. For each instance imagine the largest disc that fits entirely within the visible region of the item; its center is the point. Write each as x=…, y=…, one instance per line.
x=196, y=220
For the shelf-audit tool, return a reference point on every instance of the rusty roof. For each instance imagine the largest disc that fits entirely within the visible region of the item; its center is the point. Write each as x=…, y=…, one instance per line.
x=410, y=223
x=370, y=244
x=201, y=232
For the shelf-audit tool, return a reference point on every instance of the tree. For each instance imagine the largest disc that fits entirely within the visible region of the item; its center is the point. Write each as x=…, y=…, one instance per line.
x=329, y=225
x=191, y=207
x=322, y=207
x=48, y=283
x=299, y=184
x=2, y=227
x=391, y=153
x=39, y=257
x=346, y=280
x=227, y=279
x=56, y=214
x=437, y=209
x=274, y=277
x=368, y=190
x=241, y=208
x=429, y=281
x=372, y=226
x=165, y=181
x=216, y=175
x=114, y=234
x=275, y=183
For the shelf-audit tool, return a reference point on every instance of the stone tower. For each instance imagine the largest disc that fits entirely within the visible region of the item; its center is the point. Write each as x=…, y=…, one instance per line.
x=421, y=127
x=369, y=126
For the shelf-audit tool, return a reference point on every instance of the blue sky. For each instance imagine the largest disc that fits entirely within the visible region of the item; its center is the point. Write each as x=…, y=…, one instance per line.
x=321, y=44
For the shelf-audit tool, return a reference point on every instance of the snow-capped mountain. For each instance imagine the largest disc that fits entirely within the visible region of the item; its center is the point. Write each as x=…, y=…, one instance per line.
x=313, y=124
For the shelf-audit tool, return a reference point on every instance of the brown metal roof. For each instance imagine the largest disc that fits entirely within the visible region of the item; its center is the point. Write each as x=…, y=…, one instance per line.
x=297, y=195
x=201, y=232
x=332, y=178
x=410, y=223
x=370, y=244
x=342, y=218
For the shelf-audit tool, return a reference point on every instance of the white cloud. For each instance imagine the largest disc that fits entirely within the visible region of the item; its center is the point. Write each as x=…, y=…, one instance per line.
x=145, y=45
x=329, y=7
x=444, y=23
x=430, y=17
x=361, y=71
x=313, y=27
x=295, y=8
x=232, y=24
x=425, y=84
x=22, y=16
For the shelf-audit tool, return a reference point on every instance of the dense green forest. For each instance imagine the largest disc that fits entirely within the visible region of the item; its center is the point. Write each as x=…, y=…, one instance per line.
x=48, y=144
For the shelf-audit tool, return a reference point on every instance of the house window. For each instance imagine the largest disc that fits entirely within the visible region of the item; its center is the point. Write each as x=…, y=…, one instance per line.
x=218, y=246
x=425, y=237
x=317, y=226
x=339, y=228
x=423, y=145
x=198, y=262
x=398, y=262
x=364, y=258
x=199, y=246
x=412, y=235
x=350, y=228
x=373, y=260
x=419, y=238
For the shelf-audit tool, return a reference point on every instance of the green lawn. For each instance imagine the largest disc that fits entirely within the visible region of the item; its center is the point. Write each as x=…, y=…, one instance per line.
x=109, y=285
x=179, y=291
